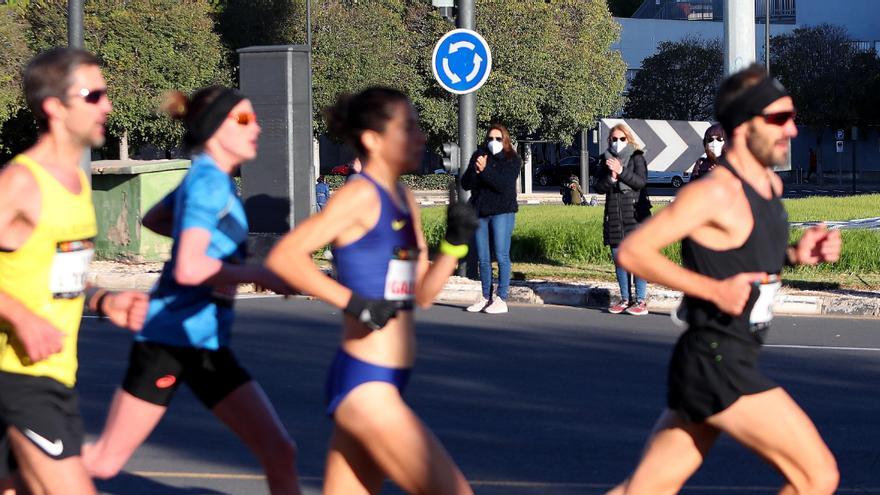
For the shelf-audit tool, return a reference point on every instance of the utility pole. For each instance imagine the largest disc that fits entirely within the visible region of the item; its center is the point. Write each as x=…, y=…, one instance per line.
x=467, y=104
x=75, y=39
x=467, y=132
x=767, y=35
x=739, y=35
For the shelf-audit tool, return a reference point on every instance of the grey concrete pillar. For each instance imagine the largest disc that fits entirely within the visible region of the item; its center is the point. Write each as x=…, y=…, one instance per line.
x=739, y=35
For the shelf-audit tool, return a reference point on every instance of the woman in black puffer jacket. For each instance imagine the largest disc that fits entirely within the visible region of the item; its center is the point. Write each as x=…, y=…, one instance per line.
x=622, y=176
x=491, y=177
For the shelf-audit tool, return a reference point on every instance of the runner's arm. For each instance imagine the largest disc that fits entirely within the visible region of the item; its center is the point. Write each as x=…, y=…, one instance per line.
x=291, y=257
x=640, y=252
x=18, y=192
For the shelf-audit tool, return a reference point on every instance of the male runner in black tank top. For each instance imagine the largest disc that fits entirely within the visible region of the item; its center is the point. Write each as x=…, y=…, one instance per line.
x=734, y=231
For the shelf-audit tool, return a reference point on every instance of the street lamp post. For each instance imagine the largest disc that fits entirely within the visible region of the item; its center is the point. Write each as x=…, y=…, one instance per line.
x=75, y=39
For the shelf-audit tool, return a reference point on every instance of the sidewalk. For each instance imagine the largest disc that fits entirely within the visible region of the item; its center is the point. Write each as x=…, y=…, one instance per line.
x=459, y=290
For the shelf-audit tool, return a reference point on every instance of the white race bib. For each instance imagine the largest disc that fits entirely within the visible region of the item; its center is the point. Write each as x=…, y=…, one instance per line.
x=400, y=282
x=67, y=277
x=762, y=311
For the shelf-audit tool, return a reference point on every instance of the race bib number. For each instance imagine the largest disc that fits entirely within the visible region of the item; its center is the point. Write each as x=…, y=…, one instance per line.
x=762, y=311
x=67, y=277
x=400, y=282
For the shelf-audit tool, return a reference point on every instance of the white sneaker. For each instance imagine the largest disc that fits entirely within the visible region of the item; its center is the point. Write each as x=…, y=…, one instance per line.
x=478, y=306
x=498, y=306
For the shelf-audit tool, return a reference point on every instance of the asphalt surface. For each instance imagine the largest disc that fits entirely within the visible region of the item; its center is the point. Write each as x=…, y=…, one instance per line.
x=543, y=400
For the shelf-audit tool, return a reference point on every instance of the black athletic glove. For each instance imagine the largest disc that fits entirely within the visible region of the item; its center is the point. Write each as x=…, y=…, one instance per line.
x=373, y=313
x=461, y=221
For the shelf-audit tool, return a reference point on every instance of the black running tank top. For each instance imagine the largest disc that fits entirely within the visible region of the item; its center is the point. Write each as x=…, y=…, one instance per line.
x=763, y=251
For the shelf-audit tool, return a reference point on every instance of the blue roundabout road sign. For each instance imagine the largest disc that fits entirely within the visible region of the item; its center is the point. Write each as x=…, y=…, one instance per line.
x=461, y=61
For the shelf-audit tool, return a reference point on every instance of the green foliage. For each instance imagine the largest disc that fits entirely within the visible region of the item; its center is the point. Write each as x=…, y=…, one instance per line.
x=815, y=65
x=572, y=236
x=14, y=54
x=430, y=182
x=553, y=70
x=147, y=47
x=678, y=82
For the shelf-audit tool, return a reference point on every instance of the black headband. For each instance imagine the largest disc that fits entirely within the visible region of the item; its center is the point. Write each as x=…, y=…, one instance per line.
x=202, y=125
x=750, y=104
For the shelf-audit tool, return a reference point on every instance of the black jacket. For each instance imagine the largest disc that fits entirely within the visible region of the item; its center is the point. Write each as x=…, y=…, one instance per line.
x=624, y=210
x=493, y=191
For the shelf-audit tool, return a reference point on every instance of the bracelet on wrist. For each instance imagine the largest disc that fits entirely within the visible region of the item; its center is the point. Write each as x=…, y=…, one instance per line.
x=99, y=303
x=459, y=251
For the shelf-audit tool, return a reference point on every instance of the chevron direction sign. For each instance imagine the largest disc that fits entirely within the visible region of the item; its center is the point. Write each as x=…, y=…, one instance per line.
x=669, y=145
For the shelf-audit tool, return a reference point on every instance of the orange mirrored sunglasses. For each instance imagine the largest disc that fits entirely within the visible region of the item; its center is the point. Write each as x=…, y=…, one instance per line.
x=243, y=118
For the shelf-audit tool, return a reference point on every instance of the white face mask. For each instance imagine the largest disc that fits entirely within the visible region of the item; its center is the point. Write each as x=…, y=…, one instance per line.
x=618, y=146
x=495, y=146
x=716, y=148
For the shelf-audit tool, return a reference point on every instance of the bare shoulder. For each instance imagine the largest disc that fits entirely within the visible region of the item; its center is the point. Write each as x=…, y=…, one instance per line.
x=17, y=183
x=716, y=188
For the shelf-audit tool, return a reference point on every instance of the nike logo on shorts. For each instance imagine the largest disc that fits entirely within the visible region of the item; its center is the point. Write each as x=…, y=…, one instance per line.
x=54, y=449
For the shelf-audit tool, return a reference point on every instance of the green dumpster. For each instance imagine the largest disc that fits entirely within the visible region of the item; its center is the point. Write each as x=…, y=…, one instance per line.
x=123, y=191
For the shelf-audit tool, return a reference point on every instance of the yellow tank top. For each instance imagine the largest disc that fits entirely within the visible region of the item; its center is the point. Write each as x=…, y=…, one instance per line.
x=47, y=273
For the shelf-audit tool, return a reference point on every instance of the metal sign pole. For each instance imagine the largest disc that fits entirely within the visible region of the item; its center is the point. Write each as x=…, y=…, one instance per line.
x=75, y=39
x=739, y=35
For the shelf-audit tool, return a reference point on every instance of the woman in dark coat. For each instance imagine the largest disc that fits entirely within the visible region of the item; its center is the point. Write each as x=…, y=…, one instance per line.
x=622, y=176
x=491, y=177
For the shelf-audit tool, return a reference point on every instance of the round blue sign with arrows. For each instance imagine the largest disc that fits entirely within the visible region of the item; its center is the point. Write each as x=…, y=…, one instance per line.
x=461, y=61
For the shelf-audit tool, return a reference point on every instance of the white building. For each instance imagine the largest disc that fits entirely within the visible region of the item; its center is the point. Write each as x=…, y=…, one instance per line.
x=672, y=20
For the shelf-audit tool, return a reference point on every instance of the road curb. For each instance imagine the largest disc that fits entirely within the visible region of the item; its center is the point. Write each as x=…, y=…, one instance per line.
x=599, y=295
x=460, y=290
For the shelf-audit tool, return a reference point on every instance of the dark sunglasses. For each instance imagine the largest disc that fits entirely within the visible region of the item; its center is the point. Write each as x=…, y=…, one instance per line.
x=243, y=118
x=499, y=138
x=715, y=138
x=779, y=118
x=616, y=139
x=91, y=96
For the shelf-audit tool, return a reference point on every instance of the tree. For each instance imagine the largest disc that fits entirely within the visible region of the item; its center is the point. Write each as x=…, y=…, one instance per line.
x=624, y=8
x=147, y=47
x=815, y=63
x=678, y=82
x=551, y=79
x=14, y=54
x=865, y=77
x=557, y=76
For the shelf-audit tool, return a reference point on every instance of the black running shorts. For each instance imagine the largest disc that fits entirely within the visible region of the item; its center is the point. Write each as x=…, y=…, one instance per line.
x=156, y=370
x=709, y=371
x=45, y=411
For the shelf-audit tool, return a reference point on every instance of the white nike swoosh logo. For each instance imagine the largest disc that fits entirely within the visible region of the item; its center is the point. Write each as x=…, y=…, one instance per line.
x=52, y=448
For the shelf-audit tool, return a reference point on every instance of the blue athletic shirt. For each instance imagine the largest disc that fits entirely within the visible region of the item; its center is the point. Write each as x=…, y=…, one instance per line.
x=199, y=316
x=382, y=263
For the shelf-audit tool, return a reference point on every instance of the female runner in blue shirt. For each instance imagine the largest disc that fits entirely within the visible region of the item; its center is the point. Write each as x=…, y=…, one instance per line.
x=186, y=335
x=382, y=268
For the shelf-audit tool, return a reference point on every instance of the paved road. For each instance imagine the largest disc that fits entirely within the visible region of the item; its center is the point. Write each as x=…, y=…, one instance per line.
x=544, y=400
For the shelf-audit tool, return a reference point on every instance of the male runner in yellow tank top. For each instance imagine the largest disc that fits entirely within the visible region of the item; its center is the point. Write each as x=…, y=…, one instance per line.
x=47, y=226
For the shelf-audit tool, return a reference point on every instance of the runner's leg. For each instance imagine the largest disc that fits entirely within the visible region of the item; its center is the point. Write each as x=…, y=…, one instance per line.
x=350, y=469
x=44, y=475
x=672, y=438
x=774, y=426
x=129, y=422
x=399, y=443
x=249, y=414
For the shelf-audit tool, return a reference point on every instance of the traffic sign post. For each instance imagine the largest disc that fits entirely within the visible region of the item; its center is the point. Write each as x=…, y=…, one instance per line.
x=461, y=61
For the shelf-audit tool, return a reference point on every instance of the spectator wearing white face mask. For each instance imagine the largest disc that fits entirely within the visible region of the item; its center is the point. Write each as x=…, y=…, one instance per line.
x=713, y=142
x=491, y=177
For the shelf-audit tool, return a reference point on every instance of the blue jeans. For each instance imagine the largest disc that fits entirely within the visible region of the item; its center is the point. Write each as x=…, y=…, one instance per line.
x=501, y=226
x=624, y=281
